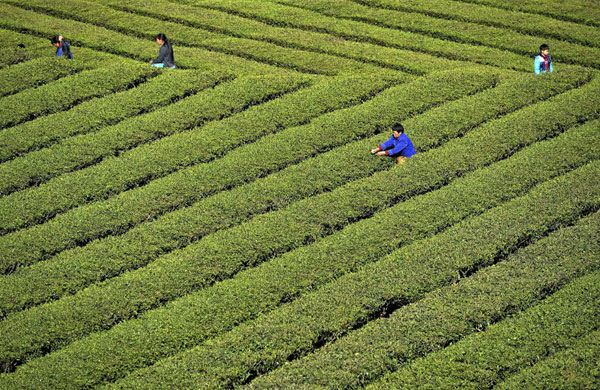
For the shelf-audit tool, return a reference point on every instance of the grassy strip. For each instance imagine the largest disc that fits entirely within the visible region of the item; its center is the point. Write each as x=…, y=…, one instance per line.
x=64, y=93
x=131, y=23
x=149, y=241
x=109, y=41
x=95, y=114
x=181, y=271
x=276, y=151
x=514, y=20
x=413, y=271
x=484, y=359
x=225, y=23
x=216, y=138
x=259, y=346
x=40, y=203
x=34, y=73
x=43, y=70
x=222, y=306
x=39, y=48
x=458, y=31
x=573, y=368
x=181, y=228
x=75, y=153
x=571, y=11
x=286, y=16
x=13, y=53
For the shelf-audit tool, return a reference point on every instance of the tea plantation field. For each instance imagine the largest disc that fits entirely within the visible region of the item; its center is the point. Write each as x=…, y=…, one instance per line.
x=224, y=224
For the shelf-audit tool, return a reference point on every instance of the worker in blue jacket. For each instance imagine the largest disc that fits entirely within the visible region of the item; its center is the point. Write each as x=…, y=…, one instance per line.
x=63, y=48
x=543, y=61
x=399, y=146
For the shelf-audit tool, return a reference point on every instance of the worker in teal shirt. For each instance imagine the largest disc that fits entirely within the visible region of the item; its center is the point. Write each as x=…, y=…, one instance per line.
x=399, y=146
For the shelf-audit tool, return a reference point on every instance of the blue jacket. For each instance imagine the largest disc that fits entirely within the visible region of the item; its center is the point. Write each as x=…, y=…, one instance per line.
x=60, y=53
x=401, y=146
x=539, y=66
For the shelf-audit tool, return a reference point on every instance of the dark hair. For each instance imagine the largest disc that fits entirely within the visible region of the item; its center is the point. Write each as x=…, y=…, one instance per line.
x=544, y=47
x=162, y=37
x=398, y=127
x=65, y=45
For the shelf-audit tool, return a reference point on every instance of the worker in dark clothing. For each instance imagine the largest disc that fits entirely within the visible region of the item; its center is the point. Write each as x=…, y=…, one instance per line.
x=399, y=146
x=165, y=57
x=63, y=48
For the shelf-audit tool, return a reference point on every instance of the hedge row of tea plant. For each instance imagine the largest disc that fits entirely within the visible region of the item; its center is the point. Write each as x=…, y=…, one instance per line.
x=121, y=248
x=177, y=230
x=38, y=204
x=259, y=346
x=486, y=358
x=575, y=11
x=275, y=151
x=229, y=24
x=77, y=152
x=30, y=74
x=575, y=367
x=226, y=304
x=19, y=48
x=412, y=272
x=143, y=26
x=109, y=41
x=182, y=271
x=42, y=70
x=294, y=17
x=95, y=114
x=443, y=316
x=69, y=91
x=294, y=109
x=73, y=153
x=526, y=23
x=458, y=31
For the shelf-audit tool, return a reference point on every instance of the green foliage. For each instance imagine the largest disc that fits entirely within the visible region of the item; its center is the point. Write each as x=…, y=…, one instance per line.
x=40, y=203
x=285, y=16
x=95, y=114
x=36, y=72
x=574, y=367
x=527, y=23
x=179, y=229
x=237, y=26
x=21, y=47
x=39, y=71
x=459, y=31
x=485, y=358
x=411, y=273
x=216, y=138
x=269, y=154
x=128, y=23
x=109, y=41
x=286, y=277
x=153, y=239
x=578, y=11
x=68, y=91
x=259, y=346
x=226, y=225
x=75, y=152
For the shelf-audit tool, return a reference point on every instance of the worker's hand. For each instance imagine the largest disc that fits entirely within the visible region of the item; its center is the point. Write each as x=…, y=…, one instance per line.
x=380, y=153
x=374, y=150
x=150, y=62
